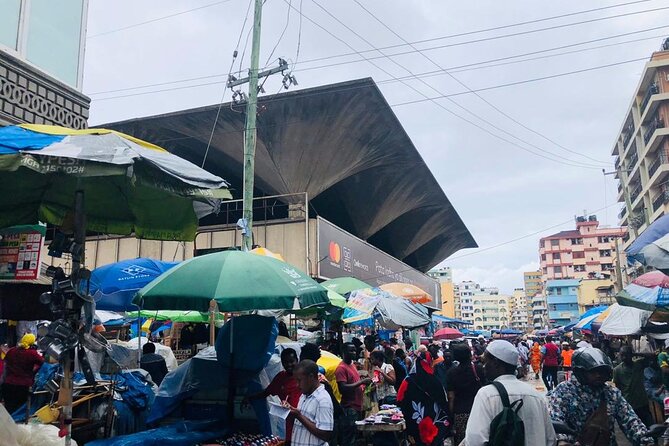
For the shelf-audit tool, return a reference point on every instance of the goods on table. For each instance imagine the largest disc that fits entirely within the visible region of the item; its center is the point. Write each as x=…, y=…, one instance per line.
x=389, y=414
x=249, y=440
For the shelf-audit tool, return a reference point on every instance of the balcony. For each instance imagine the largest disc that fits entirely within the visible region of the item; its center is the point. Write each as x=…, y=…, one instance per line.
x=634, y=194
x=653, y=89
x=634, y=158
x=627, y=135
x=658, y=202
x=654, y=125
x=622, y=213
x=662, y=159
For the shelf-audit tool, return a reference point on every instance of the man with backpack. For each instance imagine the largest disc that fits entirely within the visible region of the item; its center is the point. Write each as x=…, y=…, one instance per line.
x=507, y=412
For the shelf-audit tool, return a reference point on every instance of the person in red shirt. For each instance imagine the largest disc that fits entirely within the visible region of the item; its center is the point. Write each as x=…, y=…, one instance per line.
x=550, y=362
x=21, y=364
x=284, y=385
x=351, y=388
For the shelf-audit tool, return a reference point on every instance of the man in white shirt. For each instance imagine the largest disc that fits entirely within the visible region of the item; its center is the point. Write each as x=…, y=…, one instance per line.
x=500, y=361
x=314, y=415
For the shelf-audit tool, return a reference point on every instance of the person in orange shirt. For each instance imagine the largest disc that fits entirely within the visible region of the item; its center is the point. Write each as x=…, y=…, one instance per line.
x=535, y=359
x=566, y=354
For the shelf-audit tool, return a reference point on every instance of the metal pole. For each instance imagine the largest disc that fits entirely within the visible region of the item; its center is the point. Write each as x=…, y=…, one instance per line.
x=251, y=131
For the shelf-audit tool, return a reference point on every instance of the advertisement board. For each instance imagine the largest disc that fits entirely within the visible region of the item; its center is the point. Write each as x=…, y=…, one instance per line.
x=20, y=248
x=341, y=254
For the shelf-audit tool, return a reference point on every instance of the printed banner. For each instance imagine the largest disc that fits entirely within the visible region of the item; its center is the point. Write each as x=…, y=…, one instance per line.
x=20, y=248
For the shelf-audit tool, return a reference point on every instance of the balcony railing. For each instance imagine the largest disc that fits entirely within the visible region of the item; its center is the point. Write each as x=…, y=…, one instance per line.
x=634, y=158
x=622, y=213
x=662, y=159
x=658, y=202
x=654, y=125
x=653, y=89
x=635, y=192
x=626, y=137
x=617, y=162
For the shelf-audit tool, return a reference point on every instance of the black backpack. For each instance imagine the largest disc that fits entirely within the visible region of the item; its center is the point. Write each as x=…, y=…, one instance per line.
x=507, y=429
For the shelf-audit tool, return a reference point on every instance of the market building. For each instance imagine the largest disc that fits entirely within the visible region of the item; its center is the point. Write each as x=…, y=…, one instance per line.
x=641, y=148
x=327, y=200
x=539, y=307
x=588, y=251
x=41, y=62
x=595, y=292
x=520, y=317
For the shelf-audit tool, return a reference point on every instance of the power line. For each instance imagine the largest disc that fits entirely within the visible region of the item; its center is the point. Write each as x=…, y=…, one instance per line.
x=280, y=37
x=542, y=152
x=453, y=69
x=157, y=19
x=526, y=81
x=486, y=39
x=225, y=88
x=493, y=106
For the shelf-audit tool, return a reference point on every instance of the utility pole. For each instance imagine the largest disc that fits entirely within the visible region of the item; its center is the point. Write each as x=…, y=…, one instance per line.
x=250, y=132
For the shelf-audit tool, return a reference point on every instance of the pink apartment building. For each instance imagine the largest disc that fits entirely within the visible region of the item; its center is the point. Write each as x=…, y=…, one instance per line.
x=581, y=253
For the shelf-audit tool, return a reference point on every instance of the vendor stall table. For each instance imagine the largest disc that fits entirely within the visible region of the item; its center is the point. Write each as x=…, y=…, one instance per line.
x=369, y=429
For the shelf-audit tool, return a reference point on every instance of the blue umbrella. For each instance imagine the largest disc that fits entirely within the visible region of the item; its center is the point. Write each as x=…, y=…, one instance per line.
x=113, y=286
x=655, y=231
x=593, y=311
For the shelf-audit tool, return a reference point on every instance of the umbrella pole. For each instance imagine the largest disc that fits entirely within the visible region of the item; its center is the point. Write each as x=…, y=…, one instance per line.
x=212, y=320
x=231, y=381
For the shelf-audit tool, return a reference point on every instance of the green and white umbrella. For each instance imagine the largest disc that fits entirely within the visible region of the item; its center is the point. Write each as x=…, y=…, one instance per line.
x=237, y=281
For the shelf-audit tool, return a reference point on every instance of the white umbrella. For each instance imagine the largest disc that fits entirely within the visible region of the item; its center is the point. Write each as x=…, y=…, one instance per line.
x=624, y=321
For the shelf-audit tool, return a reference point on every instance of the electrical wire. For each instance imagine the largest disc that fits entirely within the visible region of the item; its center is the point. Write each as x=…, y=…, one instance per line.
x=490, y=104
x=282, y=33
x=542, y=152
x=299, y=38
x=157, y=19
x=225, y=88
x=490, y=63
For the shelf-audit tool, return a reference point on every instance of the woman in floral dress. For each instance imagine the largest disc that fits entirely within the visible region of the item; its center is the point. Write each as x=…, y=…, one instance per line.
x=423, y=402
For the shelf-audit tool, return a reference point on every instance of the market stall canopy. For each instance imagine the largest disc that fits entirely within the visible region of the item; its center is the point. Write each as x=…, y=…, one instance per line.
x=449, y=320
x=647, y=292
x=624, y=321
x=408, y=291
x=127, y=182
x=656, y=254
x=360, y=169
x=658, y=229
x=113, y=286
x=237, y=281
x=390, y=311
x=344, y=285
x=174, y=315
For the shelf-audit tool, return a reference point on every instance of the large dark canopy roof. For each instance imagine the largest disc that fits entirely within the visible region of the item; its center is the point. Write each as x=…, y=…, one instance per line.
x=344, y=146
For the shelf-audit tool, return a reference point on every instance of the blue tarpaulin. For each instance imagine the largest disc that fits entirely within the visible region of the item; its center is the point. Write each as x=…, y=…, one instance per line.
x=188, y=433
x=449, y=320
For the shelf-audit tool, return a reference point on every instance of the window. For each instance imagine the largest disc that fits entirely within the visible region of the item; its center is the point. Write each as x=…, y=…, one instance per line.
x=578, y=255
x=543, y=257
x=607, y=266
x=9, y=23
x=579, y=268
x=557, y=269
x=555, y=242
x=556, y=256
x=604, y=239
x=577, y=241
x=605, y=253
x=545, y=270
x=558, y=291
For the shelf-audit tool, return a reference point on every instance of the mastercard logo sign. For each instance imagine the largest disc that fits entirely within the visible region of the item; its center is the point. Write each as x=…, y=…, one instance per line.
x=335, y=252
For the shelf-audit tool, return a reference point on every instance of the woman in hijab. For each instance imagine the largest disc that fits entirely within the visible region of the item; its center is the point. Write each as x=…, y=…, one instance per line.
x=423, y=402
x=463, y=382
x=21, y=363
x=535, y=359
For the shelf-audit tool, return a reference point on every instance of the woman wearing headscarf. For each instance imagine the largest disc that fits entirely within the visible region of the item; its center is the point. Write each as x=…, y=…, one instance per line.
x=21, y=364
x=535, y=359
x=423, y=402
x=463, y=382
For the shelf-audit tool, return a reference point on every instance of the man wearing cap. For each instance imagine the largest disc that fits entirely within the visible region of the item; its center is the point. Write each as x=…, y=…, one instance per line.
x=499, y=364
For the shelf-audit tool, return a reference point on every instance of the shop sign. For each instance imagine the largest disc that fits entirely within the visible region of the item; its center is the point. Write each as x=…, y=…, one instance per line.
x=341, y=254
x=20, y=249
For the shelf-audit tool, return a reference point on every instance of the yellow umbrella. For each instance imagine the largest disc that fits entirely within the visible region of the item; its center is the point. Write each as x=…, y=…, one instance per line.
x=267, y=253
x=329, y=362
x=408, y=291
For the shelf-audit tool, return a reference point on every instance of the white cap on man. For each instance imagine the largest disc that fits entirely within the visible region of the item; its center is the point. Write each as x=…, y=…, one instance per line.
x=504, y=351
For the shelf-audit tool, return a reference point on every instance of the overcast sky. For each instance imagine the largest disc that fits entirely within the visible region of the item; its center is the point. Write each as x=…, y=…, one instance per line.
x=505, y=195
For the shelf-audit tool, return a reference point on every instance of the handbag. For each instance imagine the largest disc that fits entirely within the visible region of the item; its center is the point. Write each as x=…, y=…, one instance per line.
x=596, y=431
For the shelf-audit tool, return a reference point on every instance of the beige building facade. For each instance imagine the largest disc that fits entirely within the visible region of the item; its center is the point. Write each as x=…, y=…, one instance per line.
x=585, y=252
x=641, y=149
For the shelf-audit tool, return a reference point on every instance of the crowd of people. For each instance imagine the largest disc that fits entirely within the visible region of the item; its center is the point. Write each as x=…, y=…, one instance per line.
x=477, y=392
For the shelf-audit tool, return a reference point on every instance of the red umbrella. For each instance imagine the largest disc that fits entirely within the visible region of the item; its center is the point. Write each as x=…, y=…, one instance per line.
x=448, y=333
x=652, y=279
